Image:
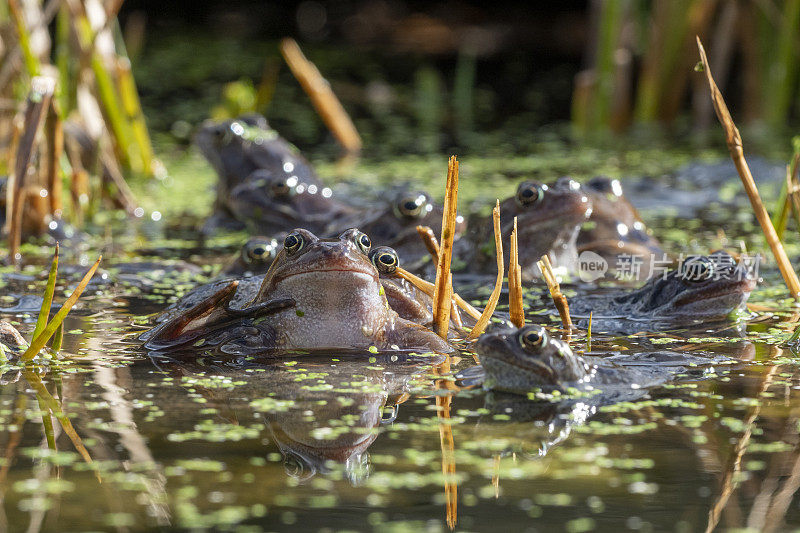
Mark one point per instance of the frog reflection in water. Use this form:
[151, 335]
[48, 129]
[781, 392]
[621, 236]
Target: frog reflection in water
[313, 431]
[615, 229]
[236, 149]
[548, 220]
[318, 294]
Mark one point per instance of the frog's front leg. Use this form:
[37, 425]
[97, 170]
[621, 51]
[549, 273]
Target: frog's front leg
[210, 316]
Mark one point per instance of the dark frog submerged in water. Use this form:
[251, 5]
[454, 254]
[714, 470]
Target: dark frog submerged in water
[319, 294]
[702, 289]
[520, 361]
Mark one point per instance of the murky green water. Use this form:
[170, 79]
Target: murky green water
[341, 443]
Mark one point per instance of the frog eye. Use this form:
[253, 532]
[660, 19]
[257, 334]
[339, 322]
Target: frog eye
[385, 259]
[293, 243]
[414, 206]
[529, 193]
[259, 251]
[281, 188]
[363, 242]
[532, 338]
[696, 268]
[222, 134]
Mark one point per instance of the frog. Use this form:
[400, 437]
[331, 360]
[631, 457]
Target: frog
[395, 222]
[529, 360]
[548, 216]
[701, 290]
[615, 231]
[271, 201]
[254, 257]
[238, 147]
[318, 294]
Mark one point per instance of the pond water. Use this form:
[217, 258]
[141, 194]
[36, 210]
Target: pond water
[334, 443]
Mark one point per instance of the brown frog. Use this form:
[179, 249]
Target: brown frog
[395, 225]
[615, 230]
[548, 219]
[319, 294]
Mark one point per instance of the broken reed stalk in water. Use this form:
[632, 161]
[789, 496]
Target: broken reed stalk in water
[443, 290]
[555, 291]
[432, 245]
[734, 141]
[516, 311]
[38, 342]
[322, 96]
[491, 305]
[429, 239]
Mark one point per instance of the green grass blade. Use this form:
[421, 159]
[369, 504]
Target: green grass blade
[47, 302]
[23, 34]
[38, 342]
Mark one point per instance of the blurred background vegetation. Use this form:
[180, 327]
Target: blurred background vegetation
[416, 77]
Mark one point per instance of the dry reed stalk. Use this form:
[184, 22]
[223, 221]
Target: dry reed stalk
[54, 133]
[124, 197]
[734, 141]
[428, 288]
[780, 218]
[38, 102]
[322, 96]
[555, 291]
[444, 282]
[488, 311]
[516, 310]
[429, 239]
[16, 133]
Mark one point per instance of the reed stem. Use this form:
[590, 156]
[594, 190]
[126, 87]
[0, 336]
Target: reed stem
[516, 310]
[443, 289]
[491, 305]
[322, 97]
[734, 141]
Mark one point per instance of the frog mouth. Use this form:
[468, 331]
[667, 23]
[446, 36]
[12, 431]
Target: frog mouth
[344, 272]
